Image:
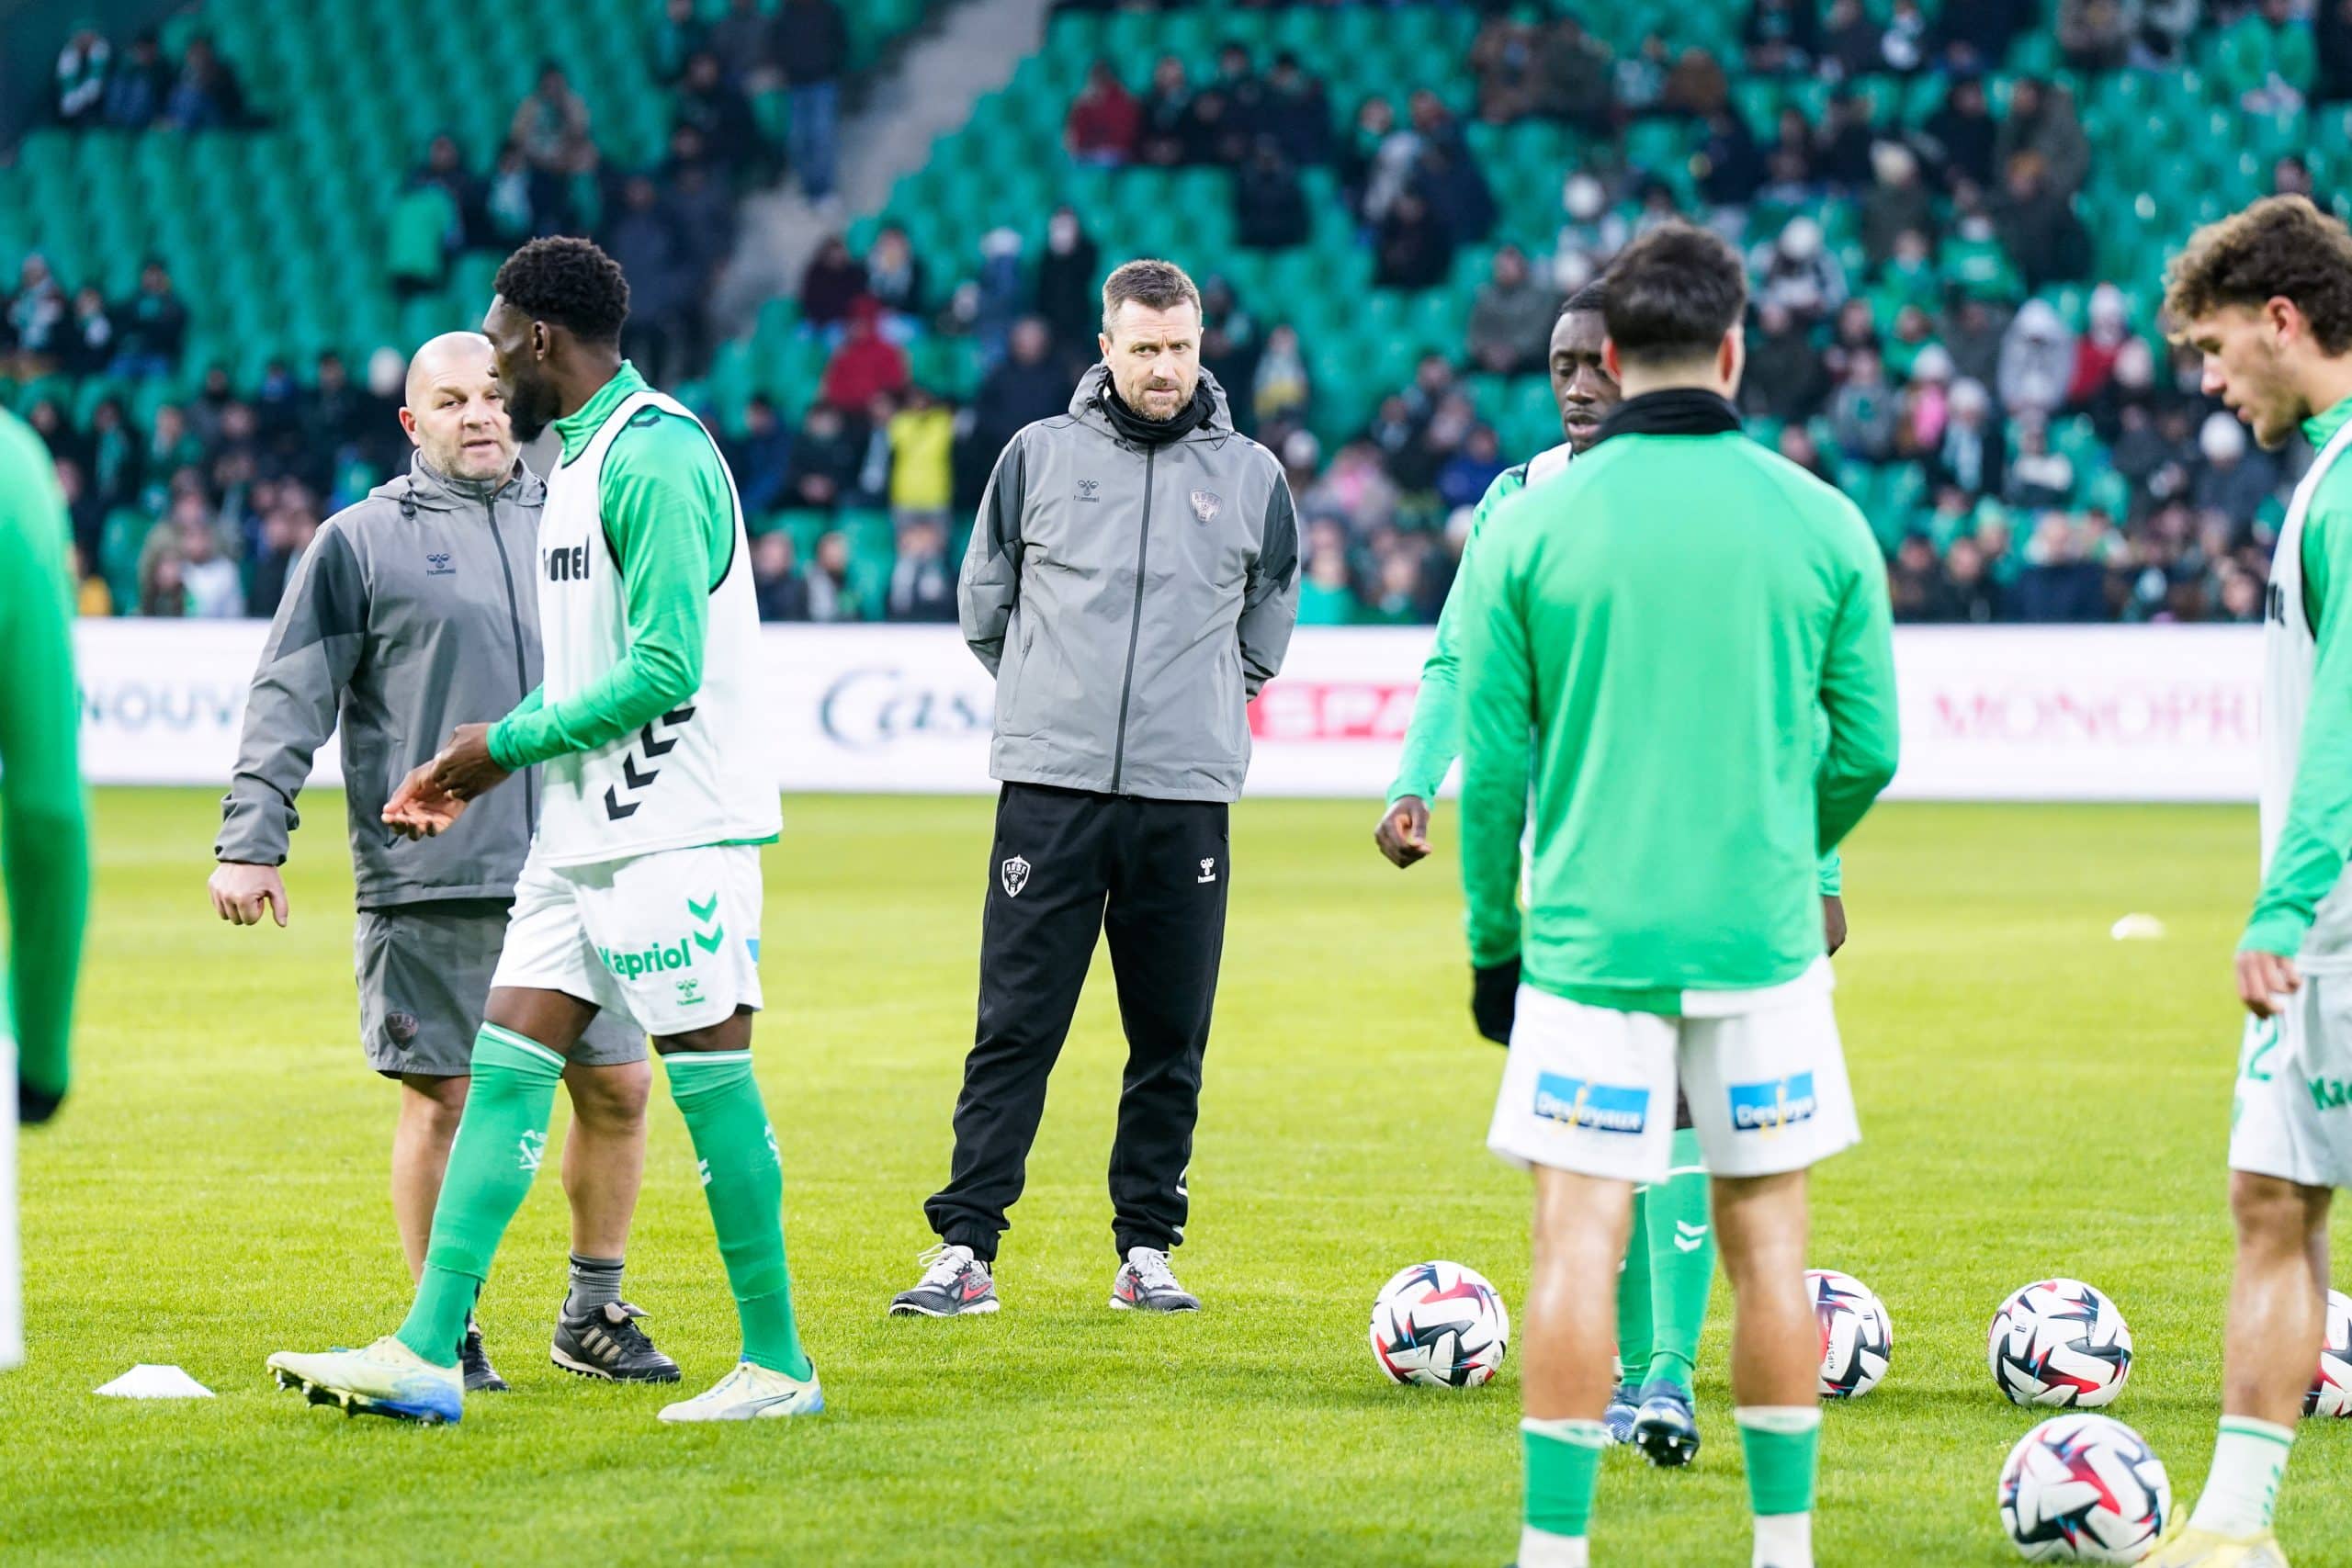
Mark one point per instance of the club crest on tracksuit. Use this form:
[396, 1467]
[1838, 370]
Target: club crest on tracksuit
[1016, 876]
[1207, 505]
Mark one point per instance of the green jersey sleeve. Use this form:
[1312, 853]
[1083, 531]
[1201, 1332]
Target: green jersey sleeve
[44, 825]
[1497, 684]
[2308, 858]
[669, 518]
[1857, 696]
[1433, 736]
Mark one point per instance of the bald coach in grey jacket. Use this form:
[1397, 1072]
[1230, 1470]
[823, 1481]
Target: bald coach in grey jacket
[1132, 581]
[412, 612]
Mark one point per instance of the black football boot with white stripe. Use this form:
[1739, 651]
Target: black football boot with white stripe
[605, 1342]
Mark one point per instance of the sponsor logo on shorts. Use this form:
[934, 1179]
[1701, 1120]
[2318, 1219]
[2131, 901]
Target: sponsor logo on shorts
[679, 954]
[2331, 1094]
[689, 992]
[1772, 1105]
[1594, 1107]
[401, 1027]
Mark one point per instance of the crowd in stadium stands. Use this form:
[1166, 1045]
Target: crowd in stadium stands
[140, 87]
[2020, 467]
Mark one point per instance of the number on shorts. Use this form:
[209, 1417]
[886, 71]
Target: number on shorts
[2262, 1038]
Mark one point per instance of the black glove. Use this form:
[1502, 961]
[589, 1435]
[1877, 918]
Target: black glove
[1494, 999]
[35, 1105]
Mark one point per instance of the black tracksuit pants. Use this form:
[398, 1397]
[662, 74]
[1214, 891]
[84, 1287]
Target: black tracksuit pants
[1068, 866]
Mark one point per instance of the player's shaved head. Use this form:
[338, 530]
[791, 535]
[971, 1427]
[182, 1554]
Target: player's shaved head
[450, 354]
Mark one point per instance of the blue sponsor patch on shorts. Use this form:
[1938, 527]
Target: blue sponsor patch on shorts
[754, 945]
[1595, 1107]
[1775, 1103]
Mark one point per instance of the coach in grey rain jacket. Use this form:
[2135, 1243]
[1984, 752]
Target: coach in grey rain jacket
[412, 612]
[1130, 600]
[1131, 582]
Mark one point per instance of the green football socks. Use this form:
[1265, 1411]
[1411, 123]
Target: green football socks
[1682, 1264]
[501, 1140]
[1783, 1448]
[1634, 1297]
[1563, 1464]
[743, 1181]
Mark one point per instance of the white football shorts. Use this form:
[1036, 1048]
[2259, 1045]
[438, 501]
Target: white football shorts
[1591, 1089]
[2292, 1118]
[671, 939]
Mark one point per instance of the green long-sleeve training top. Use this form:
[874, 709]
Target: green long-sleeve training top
[1648, 638]
[44, 824]
[1433, 736]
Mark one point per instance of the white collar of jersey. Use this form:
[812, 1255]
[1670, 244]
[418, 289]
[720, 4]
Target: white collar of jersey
[1549, 464]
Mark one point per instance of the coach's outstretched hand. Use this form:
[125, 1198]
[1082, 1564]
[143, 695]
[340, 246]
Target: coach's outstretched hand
[2263, 979]
[1403, 831]
[1494, 999]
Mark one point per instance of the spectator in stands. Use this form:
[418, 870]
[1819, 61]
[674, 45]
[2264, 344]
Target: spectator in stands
[922, 482]
[1296, 112]
[2038, 227]
[2061, 581]
[444, 166]
[114, 459]
[82, 69]
[711, 100]
[1399, 591]
[833, 282]
[1326, 593]
[1503, 58]
[288, 529]
[1915, 587]
[678, 36]
[1861, 412]
[1697, 86]
[1281, 391]
[894, 277]
[36, 318]
[161, 591]
[1448, 175]
[1896, 203]
[47, 417]
[1843, 159]
[1302, 458]
[510, 214]
[1269, 201]
[647, 244]
[760, 456]
[1215, 135]
[1026, 387]
[812, 47]
[170, 444]
[2094, 35]
[1573, 77]
[1851, 42]
[89, 337]
[1796, 271]
[2236, 479]
[1973, 458]
[1167, 111]
[1413, 250]
[1978, 33]
[1069, 281]
[867, 365]
[1511, 316]
[2095, 351]
[207, 95]
[1788, 163]
[1785, 380]
[1105, 120]
[1797, 444]
[1976, 597]
[137, 85]
[2037, 478]
[745, 42]
[830, 597]
[923, 585]
[1971, 332]
[1465, 476]
[1963, 135]
[2332, 36]
[551, 128]
[424, 231]
[1730, 166]
[776, 578]
[824, 458]
[2041, 120]
[1924, 406]
[2036, 360]
[1905, 43]
[1783, 35]
[207, 576]
[1640, 77]
[1355, 491]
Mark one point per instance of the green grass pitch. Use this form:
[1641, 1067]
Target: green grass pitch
[2036, 1098]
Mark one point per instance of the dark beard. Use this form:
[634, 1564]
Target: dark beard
[530, 410]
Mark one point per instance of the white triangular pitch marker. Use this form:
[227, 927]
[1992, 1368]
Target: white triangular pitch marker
[144, 1381]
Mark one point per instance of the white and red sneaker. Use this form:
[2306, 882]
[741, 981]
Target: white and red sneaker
[1145, 1283]
[955, 1282]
